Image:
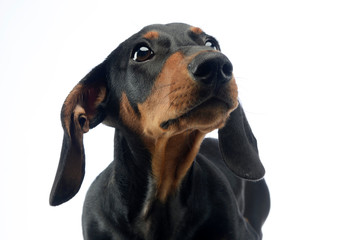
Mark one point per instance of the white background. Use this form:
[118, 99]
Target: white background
[293, 61]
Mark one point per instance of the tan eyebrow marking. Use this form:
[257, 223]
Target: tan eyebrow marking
[151, 35]
[196, 30]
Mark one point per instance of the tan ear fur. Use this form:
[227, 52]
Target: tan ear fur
[80, 112]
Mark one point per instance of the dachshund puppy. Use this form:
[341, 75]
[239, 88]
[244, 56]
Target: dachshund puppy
[163, 90]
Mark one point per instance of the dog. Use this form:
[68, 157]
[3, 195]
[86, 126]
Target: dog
[163, 90]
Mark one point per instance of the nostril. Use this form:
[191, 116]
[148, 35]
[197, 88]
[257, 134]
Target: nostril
[204, 72]
[211, 68]
[227, 70]
[203, 69]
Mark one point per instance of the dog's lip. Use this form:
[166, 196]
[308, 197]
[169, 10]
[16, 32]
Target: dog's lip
[205, 103]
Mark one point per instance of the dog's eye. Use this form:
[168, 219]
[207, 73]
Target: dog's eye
[142, 53]
[212, 43]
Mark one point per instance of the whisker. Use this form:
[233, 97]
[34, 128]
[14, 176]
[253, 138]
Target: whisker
[172, 102]
[171, 92]
[166, 85]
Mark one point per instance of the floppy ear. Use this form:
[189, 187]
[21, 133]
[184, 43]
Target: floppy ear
[239, 147]
[82, 110]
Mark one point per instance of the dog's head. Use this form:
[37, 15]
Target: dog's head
[163, 81]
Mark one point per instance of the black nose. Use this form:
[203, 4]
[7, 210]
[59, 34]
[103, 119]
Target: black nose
[211, 68]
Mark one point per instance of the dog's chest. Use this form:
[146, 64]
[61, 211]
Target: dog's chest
[160, 220]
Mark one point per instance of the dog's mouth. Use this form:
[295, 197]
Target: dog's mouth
[208, 110]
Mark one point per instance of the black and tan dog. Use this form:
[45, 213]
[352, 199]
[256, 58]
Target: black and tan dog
[163, 90]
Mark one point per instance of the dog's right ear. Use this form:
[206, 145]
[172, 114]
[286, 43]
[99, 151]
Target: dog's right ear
[83, 109]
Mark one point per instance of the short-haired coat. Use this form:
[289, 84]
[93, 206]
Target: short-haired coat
[163, 90]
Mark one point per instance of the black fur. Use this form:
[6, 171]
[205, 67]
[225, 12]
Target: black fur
[215, 200]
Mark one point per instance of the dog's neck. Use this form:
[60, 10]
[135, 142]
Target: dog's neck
[168, 157]
[171, 158]
[151, 174]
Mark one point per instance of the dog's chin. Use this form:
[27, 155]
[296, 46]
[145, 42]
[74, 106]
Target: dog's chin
[206, 117]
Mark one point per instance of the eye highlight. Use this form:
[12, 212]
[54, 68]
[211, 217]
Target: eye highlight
[212, 43]
[142, 53]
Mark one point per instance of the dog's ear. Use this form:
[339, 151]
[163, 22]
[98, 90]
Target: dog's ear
[239, 147]
[83, 109]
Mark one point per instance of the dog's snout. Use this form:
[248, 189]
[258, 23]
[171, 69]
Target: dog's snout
[211, 68]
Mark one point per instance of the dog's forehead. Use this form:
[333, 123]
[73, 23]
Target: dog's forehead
[171, 28]
[176, 31]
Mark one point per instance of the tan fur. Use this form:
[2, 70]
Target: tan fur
[151, 35]
[174, 149]
[128, 115]
[196, 30]
[70, 103]
[82, 102]
[171, 160]
[79, 112]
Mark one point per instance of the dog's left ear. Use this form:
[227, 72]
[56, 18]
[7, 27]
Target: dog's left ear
[83, 109]
[239, 147]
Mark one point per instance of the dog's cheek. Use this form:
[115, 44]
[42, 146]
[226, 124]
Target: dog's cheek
[233, 92]
[139, 81]
[128, 115]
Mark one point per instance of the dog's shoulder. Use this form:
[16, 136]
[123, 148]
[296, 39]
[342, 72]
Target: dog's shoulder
[210, 149]
[101, 184]
[210, 157]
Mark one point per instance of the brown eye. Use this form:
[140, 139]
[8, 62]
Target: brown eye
[142, 53]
